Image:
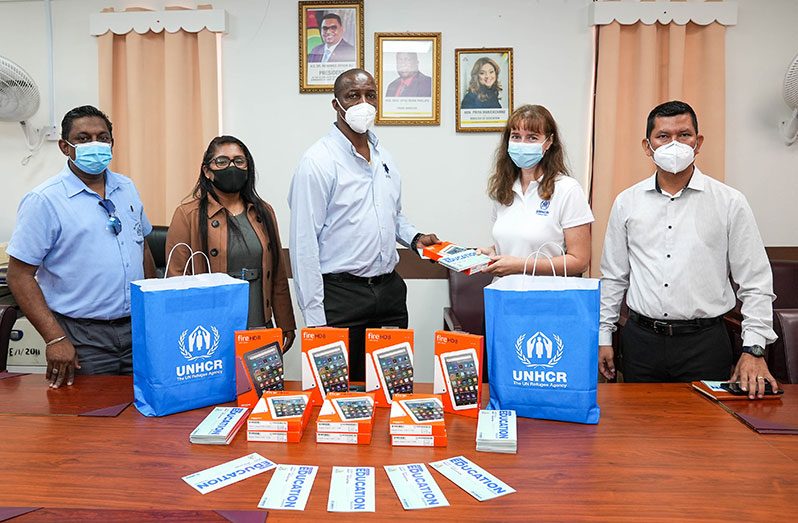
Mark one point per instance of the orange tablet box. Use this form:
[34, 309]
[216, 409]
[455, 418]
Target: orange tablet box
[325, 361]
[389, 363]
[347, 413]
[417, 415]
[435, 251]
[270, 436]
[401, 440]
[458, 371]
[248, 343]
[281, 411]
[361, 438]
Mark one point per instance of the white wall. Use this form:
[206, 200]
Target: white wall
[553, 53]
[758, 51]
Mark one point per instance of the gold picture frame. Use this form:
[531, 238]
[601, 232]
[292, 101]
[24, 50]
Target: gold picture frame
[322, 60]
[481, 107]
[407, 69]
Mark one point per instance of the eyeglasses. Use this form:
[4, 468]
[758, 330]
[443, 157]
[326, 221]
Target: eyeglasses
[223, 162]
[114, 223]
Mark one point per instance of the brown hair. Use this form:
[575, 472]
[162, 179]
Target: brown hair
[531, 118]
[475, 87]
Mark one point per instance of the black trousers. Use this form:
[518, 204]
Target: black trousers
[102, 347]
[651, 357]
[358, 306]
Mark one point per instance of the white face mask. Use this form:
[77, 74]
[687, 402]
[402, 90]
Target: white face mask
[360, 117]
[673, 157]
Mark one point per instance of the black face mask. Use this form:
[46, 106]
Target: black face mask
[230, 180]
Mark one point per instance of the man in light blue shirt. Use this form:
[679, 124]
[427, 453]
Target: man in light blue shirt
[346, 217]
[77, 245]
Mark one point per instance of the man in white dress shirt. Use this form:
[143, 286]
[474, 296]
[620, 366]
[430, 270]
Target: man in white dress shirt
[672, 242]
[346, 217]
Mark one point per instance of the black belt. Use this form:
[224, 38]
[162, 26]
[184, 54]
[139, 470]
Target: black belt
[673, 327]
[92, 321]
[246, 274]
[368, 280]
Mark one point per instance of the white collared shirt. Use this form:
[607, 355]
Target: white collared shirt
[675, 253]
[522, 227]
[346, 216]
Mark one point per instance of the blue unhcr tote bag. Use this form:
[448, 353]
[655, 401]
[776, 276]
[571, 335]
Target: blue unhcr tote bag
[183, 341]
[542, 344]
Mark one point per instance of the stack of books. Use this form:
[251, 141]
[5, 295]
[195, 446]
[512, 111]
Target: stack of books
[346, 417]
[220, 426]
[417, 421]
[279, 416]
[496, 431]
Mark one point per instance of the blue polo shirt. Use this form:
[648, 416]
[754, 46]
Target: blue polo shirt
[85, 269]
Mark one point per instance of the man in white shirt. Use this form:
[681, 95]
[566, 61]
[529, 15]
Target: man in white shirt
[672, 242]
[346, 217]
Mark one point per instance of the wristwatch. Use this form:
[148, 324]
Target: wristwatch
[757, 351]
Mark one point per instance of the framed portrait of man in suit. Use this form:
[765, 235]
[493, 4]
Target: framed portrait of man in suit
[483, 89]
[407, 70]
[330, 42]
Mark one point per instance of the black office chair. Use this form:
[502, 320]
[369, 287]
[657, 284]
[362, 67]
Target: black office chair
[157, 243]
[8, 315]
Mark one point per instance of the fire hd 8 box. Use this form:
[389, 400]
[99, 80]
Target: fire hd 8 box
[279, 416]
[458, 371]
[417, 420]
[346, 417]
[325, 361]
[389, 363]
[259, 364]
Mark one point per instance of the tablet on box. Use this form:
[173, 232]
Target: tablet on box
[389, 363]
[259, 364]
[458, 371]
[325, 362]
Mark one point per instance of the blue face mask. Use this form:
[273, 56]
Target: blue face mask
[92, 157]
[525, 155]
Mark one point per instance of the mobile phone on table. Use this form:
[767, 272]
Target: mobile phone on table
[734, 388]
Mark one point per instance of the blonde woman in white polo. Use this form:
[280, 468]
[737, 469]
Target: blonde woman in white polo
[535, 200]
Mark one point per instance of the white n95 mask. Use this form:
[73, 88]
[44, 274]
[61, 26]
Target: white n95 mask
[360, 117]
[673, 157]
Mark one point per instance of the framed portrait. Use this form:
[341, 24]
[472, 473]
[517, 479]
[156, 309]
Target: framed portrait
[330, 42]
[407, 68]
[484, 88]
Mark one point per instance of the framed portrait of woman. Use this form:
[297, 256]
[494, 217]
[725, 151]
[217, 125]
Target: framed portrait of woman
[484, 89]
[407, 70]
[330, 42]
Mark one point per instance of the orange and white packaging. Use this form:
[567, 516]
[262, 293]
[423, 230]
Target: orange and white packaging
[389, 363]
[259, 364]
[280, 411]
[268, 436]
[325, 361]
[417, 415]
[346, 412]
[458, 371]
[419, 441]
[360, 438]
[455, 257]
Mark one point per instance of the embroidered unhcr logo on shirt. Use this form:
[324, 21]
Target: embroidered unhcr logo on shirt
[544, 208]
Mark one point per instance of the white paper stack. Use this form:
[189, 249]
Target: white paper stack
[496, 431]
[220, 426]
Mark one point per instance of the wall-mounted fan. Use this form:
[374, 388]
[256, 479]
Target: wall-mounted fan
[789, 128]
[19, 99]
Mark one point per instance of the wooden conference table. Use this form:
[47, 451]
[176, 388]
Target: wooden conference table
[660, 452]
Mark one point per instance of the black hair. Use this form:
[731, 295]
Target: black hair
[333, 16]
[249, 195]
[672, 108]
[340, 82]
[82, 112]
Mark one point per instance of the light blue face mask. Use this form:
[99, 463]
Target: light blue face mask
[93, 157]
[525, 155]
